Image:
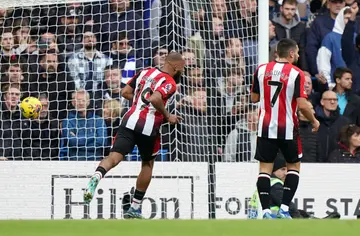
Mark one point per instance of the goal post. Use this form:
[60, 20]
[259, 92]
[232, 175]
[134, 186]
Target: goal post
[97, 46]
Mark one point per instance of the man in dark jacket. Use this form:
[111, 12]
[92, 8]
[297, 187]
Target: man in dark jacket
[288, 25]
[13, 127]
[44, 133]
[348, 102]
[330, 124]
[55, 83]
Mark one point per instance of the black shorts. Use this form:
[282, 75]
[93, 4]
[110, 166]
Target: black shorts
[267, 149]
[126, 139]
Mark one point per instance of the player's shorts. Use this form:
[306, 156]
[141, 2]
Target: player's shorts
[267, 149]
[126, 139]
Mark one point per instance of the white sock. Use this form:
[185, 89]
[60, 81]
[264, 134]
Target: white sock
[266, 211]
[98, 175]
[136, 204]
[284, 207]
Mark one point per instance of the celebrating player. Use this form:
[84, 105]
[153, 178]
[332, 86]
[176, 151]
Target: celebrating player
[279, 86]
[150, 90]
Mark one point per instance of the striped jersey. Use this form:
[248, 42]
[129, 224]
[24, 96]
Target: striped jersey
[279, 84]
[142, 116]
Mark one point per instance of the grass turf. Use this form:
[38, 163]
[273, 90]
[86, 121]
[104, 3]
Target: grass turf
[179, 227]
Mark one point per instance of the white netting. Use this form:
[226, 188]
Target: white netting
[53, 49]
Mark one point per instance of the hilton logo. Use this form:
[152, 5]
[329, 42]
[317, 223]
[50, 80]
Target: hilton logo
[168, 197]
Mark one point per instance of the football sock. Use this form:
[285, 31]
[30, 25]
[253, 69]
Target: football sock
[100, 172]
[290, 187]
[138, 197]
[263, 186]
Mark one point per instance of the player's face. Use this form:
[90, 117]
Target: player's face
[295, 55]
[179, 70]
[346, 81]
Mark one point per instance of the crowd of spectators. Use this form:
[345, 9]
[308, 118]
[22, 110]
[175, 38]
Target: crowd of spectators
[77, 57]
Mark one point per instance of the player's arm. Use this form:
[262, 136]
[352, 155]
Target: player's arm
[128, 91]
[164, 91]
[156, 99]
[255, 89]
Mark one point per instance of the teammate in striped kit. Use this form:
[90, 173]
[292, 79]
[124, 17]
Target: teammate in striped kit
[150, 90]
[279, 87]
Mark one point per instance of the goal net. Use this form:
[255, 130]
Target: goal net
[76, 56]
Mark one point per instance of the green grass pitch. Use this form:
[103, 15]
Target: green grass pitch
[180, 228]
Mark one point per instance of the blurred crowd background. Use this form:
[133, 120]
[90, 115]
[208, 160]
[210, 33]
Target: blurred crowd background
[77, 57]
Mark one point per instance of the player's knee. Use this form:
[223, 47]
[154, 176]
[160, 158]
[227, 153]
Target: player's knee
[115, 158]
[293, 166]
[148, 164]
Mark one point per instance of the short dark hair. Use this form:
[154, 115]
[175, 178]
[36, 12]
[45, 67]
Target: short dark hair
[346, 132]
[284, 46]
[340, 71]
[290, 2]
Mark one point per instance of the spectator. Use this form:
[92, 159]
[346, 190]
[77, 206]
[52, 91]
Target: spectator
[159, 53]
[189, 57]
[112, 87]
[349, 144]
[233, 57]
[288, 25]
[14, 73]
[44, 134]
[84, 134]
[347, 100]
[329, 55]
[69, 30]
[240, 144]
[330, 123]
[21, 32]
[351, 53]
[309, 140]
[320, 27]
[123, 55]
[87, 66]
[197, 134]
[193, 78]
[231, 86]
[13, 127]
[314, 97]
[111, 114]
[121, 18]
[272, 42]
[49, 79]
[7, 46]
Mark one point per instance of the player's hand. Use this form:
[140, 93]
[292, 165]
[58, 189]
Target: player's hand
[315, 125]
[174, 119]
